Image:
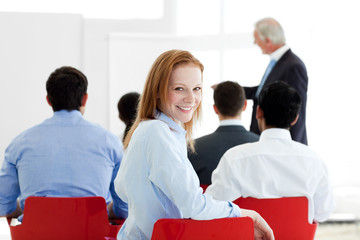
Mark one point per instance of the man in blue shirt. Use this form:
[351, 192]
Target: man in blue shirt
[64, 156]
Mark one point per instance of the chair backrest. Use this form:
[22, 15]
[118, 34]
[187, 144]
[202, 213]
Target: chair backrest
[64, 218]
[240, 228]
[287, 216]
[204, 187]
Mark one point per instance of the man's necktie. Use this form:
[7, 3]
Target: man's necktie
[268, 70]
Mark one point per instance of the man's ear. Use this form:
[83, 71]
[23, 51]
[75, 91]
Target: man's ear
[48, 101]
[296, 119]
[259, 113]
[216, 109]
[268, 40]
[245, 105]
[84, 100]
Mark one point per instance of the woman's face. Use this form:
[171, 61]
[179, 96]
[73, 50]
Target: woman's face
[184, 93]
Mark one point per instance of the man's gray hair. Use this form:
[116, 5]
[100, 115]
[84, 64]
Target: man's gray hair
[270, 28]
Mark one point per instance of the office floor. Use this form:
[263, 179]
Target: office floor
[4, 229]
[338, 231]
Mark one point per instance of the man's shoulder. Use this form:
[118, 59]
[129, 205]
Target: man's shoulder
[28, 132]
[291, 59]
[239, 131]
[243, 150]
[209, 139]
[205, 137]
[252, 137]
[305, 150]
[230, 133]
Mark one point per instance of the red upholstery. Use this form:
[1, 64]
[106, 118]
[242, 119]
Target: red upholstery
[204, 187]
[64, 218]
[241, 228]
[288, 216]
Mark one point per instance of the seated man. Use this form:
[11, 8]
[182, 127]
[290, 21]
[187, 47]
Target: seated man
[229, 103]
[276, 166]
[64, 156]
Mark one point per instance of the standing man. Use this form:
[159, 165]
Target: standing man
[284, 66]
[65, 155]
[229, 103]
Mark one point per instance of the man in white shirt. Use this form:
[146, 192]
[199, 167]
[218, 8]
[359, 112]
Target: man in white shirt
[276, 166]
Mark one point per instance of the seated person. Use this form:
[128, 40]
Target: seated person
[156, 178]
[276, 166]
[65, 155]
[127, 107]
[229, 103]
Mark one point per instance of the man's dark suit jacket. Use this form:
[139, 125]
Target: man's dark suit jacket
[210, 148]
[291, 70]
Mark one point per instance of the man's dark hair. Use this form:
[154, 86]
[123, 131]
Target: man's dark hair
[65, 88]
[280, 103]
[229, 98]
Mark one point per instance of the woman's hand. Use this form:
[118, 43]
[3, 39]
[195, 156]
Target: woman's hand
[262, 230]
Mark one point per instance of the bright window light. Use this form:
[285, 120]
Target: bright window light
[104, 9]
[198, 17]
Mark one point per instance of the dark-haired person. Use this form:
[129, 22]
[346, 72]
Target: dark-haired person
[65, 155]
[229, 103]
[276, 166]
[127, 108]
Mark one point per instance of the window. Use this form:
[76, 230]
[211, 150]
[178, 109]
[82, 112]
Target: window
[105, 9]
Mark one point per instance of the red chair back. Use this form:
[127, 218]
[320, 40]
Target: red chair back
[287, 216]
[204, 187]
[240, 228]
[59, 218]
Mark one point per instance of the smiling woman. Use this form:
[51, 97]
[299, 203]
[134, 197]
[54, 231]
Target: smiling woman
[184, 93]
[156, 178]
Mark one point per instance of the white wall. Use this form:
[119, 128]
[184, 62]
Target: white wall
[96, 56]
[31, 47]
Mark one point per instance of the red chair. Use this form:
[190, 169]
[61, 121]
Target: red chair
[204, 187]
[287, 216]
[240, 228]
[60, 218]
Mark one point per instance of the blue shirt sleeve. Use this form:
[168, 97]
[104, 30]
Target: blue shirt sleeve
[120, 208]
[10, 189]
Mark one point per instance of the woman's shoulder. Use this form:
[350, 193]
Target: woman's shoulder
[149, 127]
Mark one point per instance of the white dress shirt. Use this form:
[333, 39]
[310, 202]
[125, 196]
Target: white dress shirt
[231, 122]
[276, 166]
[276, 55]
[157, 180]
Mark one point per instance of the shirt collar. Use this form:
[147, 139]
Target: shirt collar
[278, 133]
[228, 122]
[62, 113]
[172, 125]
[276, 55]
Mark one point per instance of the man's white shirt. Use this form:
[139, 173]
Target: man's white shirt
[276, 166]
